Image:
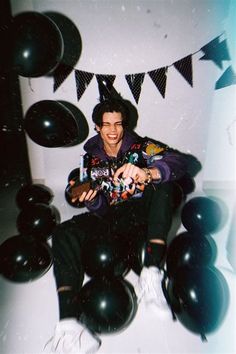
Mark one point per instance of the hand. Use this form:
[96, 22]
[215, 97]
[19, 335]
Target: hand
[129, 170]
[86, 196]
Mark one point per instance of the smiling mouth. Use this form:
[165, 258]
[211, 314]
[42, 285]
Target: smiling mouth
[113, 137]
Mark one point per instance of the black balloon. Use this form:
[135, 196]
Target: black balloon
[33, 193]
[22, 260]
[38, 220]
[68, 190]
[80, 120]
[74, 204]
[72, 44]
[188, 250]
[199, 297]
[36, 44]
[75, 173]
[108, 305]
[201, 215]
[50, 124]
[105, 255]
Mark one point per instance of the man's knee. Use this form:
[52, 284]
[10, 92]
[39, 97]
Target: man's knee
[165, 187]
[162, 191]
[63, 232]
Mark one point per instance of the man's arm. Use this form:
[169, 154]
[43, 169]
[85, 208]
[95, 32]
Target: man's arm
[139, 175]
[171, 166]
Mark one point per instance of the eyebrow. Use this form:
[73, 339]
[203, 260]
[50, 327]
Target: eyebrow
[108, 123]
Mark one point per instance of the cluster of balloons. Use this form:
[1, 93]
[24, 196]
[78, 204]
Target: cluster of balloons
[27, 256]
[37, 217]
[35, 48]
[107, 300]
[196, 290]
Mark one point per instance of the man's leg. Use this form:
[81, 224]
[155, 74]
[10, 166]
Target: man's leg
[67, 242]
[68, 270]
[159, 210]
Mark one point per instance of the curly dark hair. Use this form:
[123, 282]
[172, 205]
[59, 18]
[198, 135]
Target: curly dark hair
[111, 105]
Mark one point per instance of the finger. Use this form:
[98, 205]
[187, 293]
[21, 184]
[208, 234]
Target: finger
[93, 195]
[118, 172]
[136, 178]
[137, 174]
[127, 170]
[134, 172]
[89, 194]
[82, 197]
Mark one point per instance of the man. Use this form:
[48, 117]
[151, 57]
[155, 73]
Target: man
[132, 186]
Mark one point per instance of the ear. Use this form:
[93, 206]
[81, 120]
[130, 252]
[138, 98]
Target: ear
[97, 128]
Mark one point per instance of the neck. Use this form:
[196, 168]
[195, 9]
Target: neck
[112, 150]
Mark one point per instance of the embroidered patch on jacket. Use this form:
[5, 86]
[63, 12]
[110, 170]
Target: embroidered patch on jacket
[153, 149]
[98, 172]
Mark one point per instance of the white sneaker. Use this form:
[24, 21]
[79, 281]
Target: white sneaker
[149, 290]
[72, 337]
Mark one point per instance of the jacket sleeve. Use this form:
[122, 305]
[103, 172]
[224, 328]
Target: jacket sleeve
[171, 163]
[99, 205]
[172, 166]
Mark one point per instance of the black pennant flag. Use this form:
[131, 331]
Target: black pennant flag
[216, 51]
[105, 86]
[60, 74]
[135, 82]
[228, 78]
[159, 78]
[184, 66]
[82, 79]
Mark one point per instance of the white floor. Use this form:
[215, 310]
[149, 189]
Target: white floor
[28, 313]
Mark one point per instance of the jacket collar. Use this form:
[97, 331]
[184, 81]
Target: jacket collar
[94, 146]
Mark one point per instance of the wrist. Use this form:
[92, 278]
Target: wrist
[148, 178]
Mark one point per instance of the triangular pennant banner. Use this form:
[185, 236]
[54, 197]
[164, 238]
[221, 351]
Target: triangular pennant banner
[159, 77]
[135, 82]
[60, 74]
[184, 66]
[228, 78]
[105, 86]
[82, 79]
[216, 51]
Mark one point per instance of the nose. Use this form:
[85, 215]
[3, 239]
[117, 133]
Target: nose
[113, 127]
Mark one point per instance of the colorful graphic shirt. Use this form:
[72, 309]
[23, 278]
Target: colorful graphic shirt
[142, 152]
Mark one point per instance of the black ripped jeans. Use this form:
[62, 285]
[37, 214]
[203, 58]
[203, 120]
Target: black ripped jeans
[152, 214]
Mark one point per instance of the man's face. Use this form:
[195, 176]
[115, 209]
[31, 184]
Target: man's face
[112, 130]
